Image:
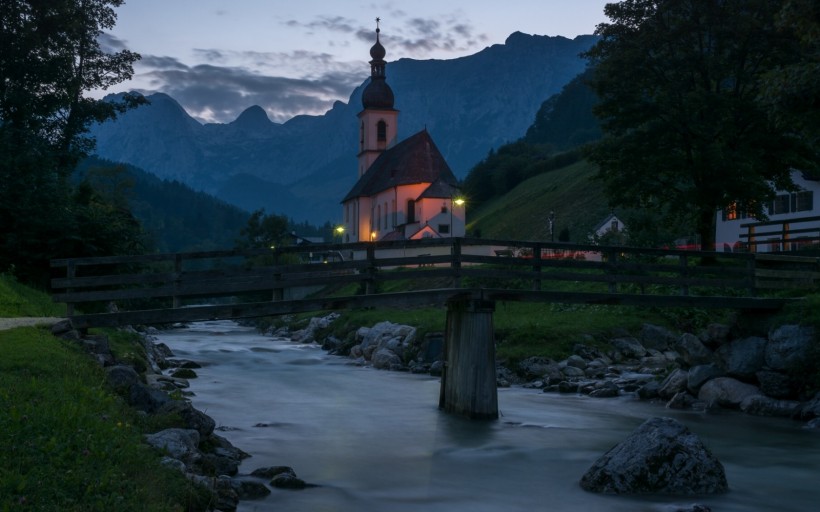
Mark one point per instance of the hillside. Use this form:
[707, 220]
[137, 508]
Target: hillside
[521, 214]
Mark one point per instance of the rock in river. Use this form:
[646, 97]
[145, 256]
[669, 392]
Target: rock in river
[661, 457]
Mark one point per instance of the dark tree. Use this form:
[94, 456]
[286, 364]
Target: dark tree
[679, 84]
[50, 58]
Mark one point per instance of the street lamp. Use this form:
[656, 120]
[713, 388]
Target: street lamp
[551, 220]
[454, 201]
[340, 230]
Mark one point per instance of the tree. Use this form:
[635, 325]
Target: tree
[685, 133]
[264, 231]
[792, 90]
[51, 57]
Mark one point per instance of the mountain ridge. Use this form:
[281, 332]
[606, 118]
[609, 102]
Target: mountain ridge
[470, 105]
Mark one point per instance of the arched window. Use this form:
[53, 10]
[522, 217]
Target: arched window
[381, 131]
[411, 211]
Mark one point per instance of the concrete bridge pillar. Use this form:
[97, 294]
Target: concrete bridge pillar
[468, 382]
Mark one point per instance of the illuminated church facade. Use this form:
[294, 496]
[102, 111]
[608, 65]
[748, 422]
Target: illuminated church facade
[405, 190]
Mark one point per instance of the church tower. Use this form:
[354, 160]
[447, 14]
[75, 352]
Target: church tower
[378, 121]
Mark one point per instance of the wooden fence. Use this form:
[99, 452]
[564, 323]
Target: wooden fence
[162, 288]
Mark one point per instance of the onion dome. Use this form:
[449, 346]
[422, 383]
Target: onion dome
[377, 94]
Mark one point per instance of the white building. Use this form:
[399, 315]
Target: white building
[794, 221]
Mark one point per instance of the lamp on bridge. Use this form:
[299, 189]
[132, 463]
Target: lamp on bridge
[373, 236]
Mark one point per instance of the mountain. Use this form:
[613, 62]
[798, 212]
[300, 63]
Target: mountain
[303, 167]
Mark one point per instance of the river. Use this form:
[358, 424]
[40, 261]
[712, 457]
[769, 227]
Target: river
[375, 440]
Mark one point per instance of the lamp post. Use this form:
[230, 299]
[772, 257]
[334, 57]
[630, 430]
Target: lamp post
[340, 230]
[551, 220]
[454, 201]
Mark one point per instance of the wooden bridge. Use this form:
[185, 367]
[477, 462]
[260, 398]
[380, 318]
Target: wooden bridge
[467, 275]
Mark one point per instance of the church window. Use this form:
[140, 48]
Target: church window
[411, 211]
[361, 137]
[381, 131]
[386, 213]
[379, 217]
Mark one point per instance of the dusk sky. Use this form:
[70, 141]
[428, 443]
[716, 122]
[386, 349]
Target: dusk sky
[218, 58]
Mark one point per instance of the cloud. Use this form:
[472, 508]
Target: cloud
[405, 36]
[110, 43]
[213, 93]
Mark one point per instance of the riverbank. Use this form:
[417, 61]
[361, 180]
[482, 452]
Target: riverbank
[771, 375]
[375, 440]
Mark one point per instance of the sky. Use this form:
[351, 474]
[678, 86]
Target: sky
[292, 57]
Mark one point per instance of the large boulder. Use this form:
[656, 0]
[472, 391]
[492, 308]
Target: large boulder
[631, 348]
[656, 337]
[776, 384]
[191, 417]
[179, 443]
[700, 374]
[760, 405]
[692, 350]
[787, 346]
[384, 359]
[660, 457]
[743, 358]
[674, 383]
[726, 392]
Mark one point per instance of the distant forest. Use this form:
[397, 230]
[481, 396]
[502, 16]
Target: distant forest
[175, 217]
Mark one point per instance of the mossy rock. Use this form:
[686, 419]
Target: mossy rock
[184, 373]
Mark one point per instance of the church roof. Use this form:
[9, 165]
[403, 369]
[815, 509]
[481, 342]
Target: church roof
[413, 160]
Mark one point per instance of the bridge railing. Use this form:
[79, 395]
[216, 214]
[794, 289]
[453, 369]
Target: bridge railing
[509, 270]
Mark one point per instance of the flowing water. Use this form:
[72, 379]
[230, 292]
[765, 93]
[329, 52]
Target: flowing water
[375, 440]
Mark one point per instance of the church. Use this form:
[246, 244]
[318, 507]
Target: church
[405, 190]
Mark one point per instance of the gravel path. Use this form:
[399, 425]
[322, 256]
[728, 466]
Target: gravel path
[11, 323]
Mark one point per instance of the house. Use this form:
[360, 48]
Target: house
[405, 190]
[794, 221]
[611, 228]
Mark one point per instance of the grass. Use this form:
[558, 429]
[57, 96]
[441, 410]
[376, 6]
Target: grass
[69, 443]
[20, 300]
[521, 214]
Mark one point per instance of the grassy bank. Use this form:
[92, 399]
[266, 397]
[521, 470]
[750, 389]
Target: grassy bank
[69, 443]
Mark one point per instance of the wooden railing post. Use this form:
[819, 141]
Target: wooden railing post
[536, 267]
[683, 261]
[278, 291]
[612, 261]
[455, 263]
[370, 283]
[751, 265]
[175, 300]
[71, 273]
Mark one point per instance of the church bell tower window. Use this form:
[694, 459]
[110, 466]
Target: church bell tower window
[381, 131]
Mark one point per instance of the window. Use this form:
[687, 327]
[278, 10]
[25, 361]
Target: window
[444, 229]
[795, 202]
[803, 201]
[411, 211]
[379, 217]
[386, 213]
[614, 226]
[381, 131]
[443, 209]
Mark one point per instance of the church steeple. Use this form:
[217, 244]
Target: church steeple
[377, 94]
[379, 120]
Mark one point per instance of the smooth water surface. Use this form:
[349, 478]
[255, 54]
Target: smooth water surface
[375, 440]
